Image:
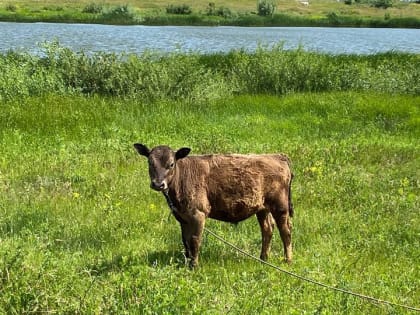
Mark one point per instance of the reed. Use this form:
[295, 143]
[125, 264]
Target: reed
[196, 77]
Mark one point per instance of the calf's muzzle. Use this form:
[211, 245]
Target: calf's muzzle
[159, 185]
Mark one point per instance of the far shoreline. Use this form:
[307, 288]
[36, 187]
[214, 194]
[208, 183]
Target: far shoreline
[244, 20]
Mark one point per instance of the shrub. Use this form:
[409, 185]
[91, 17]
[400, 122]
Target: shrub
[121, 10]
[333, 18]
[119, 14]
[178, 9]
[53, 8]
[11, 7]
[384, 4]
[266, 7]
[94, 8]
[212, 10]
[348, 2]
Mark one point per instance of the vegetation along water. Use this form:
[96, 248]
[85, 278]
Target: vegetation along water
[357, 13]
[81, 231]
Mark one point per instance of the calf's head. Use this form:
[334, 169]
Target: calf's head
[162, 163]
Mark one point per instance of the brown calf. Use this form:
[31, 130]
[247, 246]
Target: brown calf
[229, 188]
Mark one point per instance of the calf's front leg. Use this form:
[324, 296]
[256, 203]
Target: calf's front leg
[185, 233]
[196, 227]
[185, 236]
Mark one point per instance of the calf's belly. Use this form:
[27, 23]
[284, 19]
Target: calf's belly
[233, 211]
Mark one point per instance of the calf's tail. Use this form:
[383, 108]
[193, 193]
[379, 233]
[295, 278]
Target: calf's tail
[291, 212]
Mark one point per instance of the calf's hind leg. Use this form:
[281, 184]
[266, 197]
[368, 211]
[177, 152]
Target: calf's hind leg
[266, 222]
[281, 216]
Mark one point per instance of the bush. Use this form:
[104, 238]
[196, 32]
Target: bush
[266, 7]
[333, 18]
[56, 8]
[120, 14]
[93, 8]
[11, 7]
[121, 11]
[348, 2]
[178, 9]
[384, 4]
[212, 10]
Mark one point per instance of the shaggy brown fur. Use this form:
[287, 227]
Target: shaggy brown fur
[229, 188]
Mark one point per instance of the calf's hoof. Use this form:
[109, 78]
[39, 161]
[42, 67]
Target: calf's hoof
[193, 264]
[264, 257]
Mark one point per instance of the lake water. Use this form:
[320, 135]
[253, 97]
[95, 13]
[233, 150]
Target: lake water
[136, 39]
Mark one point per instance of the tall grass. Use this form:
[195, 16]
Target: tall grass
[81, 232]
[196, 77]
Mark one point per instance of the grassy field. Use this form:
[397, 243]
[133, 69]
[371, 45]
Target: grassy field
[81, 231]
[288, 13]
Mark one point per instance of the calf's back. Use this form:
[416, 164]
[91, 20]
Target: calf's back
[235, 186]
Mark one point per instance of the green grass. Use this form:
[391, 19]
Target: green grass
[241, 12]
[81, 231]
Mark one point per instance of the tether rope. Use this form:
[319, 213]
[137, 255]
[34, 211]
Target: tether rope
[366, 297]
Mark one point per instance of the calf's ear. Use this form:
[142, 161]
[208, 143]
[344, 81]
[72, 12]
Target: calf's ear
[142, 149]
[181, 153]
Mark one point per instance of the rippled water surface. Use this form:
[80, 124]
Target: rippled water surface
[136, 39]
